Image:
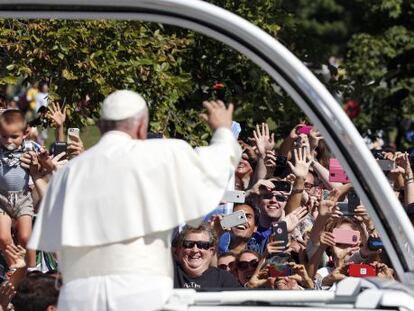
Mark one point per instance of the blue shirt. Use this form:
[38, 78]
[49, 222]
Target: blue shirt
[256, 243]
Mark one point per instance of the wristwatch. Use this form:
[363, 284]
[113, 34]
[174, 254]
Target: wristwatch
[297, 190]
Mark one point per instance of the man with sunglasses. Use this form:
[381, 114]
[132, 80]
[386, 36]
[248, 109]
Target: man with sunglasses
[195, 252]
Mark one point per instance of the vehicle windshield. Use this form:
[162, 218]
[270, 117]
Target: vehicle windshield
[289, 218]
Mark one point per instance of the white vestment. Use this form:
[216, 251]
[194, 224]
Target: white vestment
[109, 213]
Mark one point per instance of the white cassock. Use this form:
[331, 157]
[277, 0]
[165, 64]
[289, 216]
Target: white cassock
[109, 214]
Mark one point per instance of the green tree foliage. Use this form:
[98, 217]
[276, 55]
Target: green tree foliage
[380, 64]
[93, 58]
[175, 69]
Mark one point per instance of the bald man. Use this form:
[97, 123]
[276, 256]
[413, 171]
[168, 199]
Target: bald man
[109, 212]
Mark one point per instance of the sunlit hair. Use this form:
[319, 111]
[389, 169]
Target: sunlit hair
[203, 228]
[13, 116]
[248, 251]
[227, 254]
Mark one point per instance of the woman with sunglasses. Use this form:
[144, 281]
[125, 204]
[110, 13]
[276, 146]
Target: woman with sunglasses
[195, 252]
[246, 264]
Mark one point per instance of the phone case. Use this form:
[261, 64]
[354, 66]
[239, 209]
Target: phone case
[345, 236]
[279, 270]
[386, 165]
[353, 200]
[345, 208]
[234, 219]
[280, 232]
[284, 186]
[374, 244]
[234, 196]
[59, 148]
[361, 270]
[306, 129]
[72, 131]
[336, 172]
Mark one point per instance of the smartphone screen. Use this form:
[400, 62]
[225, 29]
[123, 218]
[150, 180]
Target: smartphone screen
[281, 185]
[353, 201]
[58, 148]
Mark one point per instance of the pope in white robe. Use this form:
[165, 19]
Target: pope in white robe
[109, 212]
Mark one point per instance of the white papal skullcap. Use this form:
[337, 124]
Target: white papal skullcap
[122, 105]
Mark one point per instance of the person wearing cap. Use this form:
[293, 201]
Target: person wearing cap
[109, 212]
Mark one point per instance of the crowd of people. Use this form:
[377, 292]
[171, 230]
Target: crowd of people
[329, 233]
[301, 228]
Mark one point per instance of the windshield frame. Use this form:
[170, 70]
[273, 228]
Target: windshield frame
[289, 72]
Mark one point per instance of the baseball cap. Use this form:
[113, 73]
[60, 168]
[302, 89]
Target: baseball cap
[122, 104]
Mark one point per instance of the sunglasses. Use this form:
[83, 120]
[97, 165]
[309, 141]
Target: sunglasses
[270, 195]
[200, 244]
[230, 266]
[244, 265]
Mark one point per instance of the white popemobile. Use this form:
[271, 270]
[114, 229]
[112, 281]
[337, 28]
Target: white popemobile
[312, 97]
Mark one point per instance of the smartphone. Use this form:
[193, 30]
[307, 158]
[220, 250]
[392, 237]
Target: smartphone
[72, 131]
[281, 185]
[305, 129]
[279, 270]
[325, 194]
[345, 209]
[345, 236]
[280, 233]
[386, 165]
[233, 220]
[336, 172]
[374, 244]
[234, 196]
[282, 169]
[59, 147]
[377, 154]
[361, 270]
[353, 201]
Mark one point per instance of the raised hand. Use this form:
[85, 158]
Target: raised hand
[403, 161]
[383, 271]
[335, 276]
[57, 160]
[314, 138]
[57, 114]
[217, 114]
[275, 247]
[17, 253]
[300, 274]
[329, 208]
[302, 163]
[75, 147]
[7, 292]
[216, 225]
[361, 214]
[270, 162]
[295, 218]
[29, 161]
[327, 239]
[267, 183]
[263, 140]
[260, 277]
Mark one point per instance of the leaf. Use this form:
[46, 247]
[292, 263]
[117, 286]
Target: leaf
[9, 80]
[68, 75]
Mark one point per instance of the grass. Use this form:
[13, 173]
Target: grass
[89, 135]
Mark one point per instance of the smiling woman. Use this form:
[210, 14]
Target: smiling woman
[197, 248]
